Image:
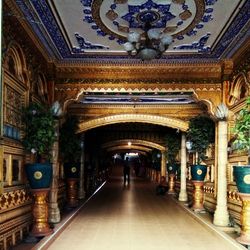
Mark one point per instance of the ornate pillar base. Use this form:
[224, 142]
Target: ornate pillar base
[171, 184]
[198, 196]
[81, 194]
[221, 217]
[245, 220]
[183, 195]
[72, 192]
[54, 213]
[40, 226]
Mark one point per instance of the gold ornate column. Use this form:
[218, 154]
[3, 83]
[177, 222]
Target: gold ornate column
[81, 193]
[221, 215]
[183, 191]
[54, 212]
[245, 219]
[171, 183]
[40, 225]
[72, 192]
[198, 196]
[163, 163]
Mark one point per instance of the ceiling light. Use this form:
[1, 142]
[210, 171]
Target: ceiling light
[149, 45]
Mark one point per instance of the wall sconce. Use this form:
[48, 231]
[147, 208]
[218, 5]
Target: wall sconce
[189, 145]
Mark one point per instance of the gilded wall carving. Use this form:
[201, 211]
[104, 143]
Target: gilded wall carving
[210, 72]
[10, 200]
[210, 94]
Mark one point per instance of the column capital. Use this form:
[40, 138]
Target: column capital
[221, 113]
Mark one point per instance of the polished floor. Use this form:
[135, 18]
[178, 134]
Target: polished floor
[133, 217]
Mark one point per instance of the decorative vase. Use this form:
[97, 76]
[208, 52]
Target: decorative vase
[71, 169]
[72, 192]
[198, 173]
[39, 175]
[244, 237]
[40, 213]
[242, 178]
[172, 169]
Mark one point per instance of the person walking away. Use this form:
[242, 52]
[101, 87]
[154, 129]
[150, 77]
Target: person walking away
[126, 171]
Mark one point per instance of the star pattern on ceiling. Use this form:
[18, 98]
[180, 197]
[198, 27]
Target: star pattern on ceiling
[96, 29]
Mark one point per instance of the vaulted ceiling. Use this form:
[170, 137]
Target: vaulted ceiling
[95, 30]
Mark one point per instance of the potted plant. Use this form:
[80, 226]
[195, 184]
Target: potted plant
[201, 134]
[172, 142]
[70, 147]
[156, 164]
[242, 143]
[70, 153]
[156, 159]
[39, 136]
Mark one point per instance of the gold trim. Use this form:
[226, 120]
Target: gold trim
[122, 118]
[132, 147]
[134, 142]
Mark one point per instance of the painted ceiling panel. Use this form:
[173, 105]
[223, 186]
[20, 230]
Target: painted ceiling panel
[97, 29]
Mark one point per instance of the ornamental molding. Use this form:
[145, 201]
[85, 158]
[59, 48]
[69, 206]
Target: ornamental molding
[133, 87]
[124, 118]
[100, 72]
[190, 107]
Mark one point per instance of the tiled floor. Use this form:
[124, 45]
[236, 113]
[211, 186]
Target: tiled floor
[134, 218]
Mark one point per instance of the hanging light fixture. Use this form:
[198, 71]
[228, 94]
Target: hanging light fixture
[150, 45]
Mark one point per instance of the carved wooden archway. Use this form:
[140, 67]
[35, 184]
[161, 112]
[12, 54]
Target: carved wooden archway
[123, 118]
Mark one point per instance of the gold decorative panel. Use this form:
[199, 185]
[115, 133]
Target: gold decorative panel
[9, 200]
[13, 106]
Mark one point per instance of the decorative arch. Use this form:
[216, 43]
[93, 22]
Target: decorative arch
[123, 118]
[126, 147]
[144, 143]
[15, 62]
[40, 87]
[239, 89]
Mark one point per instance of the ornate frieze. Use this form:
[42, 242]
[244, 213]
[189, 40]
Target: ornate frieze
[157, 73]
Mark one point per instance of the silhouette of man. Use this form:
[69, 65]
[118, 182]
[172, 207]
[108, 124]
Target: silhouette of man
[126, 171]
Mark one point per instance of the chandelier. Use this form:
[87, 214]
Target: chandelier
[149, 45]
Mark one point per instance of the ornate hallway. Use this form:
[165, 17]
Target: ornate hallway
[133, 217]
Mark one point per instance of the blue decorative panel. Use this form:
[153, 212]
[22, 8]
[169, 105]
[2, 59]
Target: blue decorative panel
[149, 12]
[200, 46]
[86, 45]
[11, 132]
[40, 17]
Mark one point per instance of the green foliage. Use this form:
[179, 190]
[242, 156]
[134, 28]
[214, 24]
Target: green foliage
[156, 159]
[39, 128]
[173, 145]
[242, 128]
[201, 133]
[69, 141]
